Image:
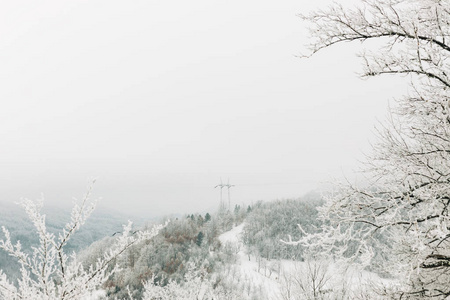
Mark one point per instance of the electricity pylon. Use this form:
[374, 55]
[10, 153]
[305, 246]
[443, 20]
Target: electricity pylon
[228, 185]
[221, 185]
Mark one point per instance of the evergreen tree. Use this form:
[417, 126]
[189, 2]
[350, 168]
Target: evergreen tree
[207, 217]
[199, 239]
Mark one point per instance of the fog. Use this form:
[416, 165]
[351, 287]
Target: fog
[160, 100]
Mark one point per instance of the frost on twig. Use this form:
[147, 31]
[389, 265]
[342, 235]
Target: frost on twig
[400, 220]
[49, 273]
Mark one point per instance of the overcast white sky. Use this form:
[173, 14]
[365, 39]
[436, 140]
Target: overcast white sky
[160, 99]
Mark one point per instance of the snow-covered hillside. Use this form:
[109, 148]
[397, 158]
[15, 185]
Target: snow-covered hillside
[199, 258]
[247, 265]
[287, 279]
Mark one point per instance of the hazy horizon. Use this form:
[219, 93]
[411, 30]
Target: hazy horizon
[160, 100]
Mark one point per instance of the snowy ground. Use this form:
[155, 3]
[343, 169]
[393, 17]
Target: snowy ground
[273, 280]
[101, 294]
[274, 283]
[249, 268]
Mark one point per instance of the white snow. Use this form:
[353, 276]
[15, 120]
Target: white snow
[96, 295]
[272, 284]
[232, 236]
[249, 268]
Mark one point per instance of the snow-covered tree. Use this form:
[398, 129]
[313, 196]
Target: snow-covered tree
[193, 287]
[313, 280]
[50, 273]
[271, 221]
[197, 285]
[408, 195]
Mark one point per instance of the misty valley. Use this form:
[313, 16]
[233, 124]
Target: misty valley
[159, 99]
[240, 252]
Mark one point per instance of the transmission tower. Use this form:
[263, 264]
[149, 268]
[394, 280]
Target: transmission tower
[221, 186]
[228, 185]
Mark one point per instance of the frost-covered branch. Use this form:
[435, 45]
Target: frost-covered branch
[49, 273]
[400, 219]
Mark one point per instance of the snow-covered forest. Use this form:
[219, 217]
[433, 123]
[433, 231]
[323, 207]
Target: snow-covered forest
[226, 254]
[384, 237]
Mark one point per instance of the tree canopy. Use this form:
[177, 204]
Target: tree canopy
[408, 191]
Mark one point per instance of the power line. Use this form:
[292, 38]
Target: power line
[270, 184]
